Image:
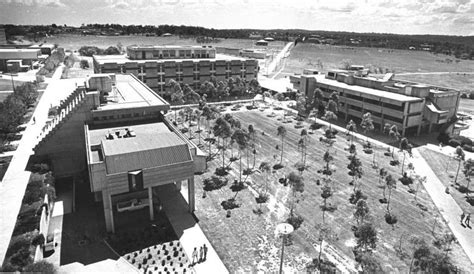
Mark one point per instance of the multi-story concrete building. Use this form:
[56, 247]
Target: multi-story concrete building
[414, 108]
[113, 127]
[192, 65]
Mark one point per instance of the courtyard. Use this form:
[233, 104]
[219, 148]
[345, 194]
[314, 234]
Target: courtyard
[245, 237]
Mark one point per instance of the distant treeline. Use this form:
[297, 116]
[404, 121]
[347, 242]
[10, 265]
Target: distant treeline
[459, 46]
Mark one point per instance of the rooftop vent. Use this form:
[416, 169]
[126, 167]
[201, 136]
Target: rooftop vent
[129, 133]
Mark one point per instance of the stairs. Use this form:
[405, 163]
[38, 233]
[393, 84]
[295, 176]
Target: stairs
[65, 109]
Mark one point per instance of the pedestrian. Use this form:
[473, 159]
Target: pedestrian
[462, 217]
[468, 220]
[201, 254]
[34, 120]
[195, 256]
[205, 252]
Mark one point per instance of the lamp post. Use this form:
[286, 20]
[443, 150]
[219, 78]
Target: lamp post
[283, 229]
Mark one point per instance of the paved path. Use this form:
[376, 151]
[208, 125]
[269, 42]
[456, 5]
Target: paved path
[189, 232]
[446, 204]
[13, 186]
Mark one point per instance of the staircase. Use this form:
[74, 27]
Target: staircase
[65, 109]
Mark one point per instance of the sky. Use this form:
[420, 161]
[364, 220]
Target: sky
[451, 17]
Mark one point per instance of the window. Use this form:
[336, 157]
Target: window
[135, 180]
[181, 53]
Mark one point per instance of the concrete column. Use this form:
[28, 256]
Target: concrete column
[191, 194]
[178, 185]
[150, 203]
[108, 211]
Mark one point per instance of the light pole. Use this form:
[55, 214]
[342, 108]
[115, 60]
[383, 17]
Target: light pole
[283, 229]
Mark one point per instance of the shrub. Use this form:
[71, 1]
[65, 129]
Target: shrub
[214, 183]
[277, 166]
[84, 64]
[230, 204]
[237, 186]
[41, 266]
[40, 168]
[38, 240]
[391, 219]
[295, 221]
[471, 95]
[221, 171]
[22, 257]
[262, 198]
[405, 180]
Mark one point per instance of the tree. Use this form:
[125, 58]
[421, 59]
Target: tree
[329, 116]
[281, 131]
[391, 183]
[355, 166]
[351, 128]
[41, 267]
[241, 137]
[326, 193]
[198, 115]
[405, 146]
[327, 159]
[459, 155]
[318, 101]
[190, 95]
[367, 237]
[301, 104]
[468, 172]
[222, 130]
[346, 64]
[265, 168]
[392, 131]
[368, 263]
[367, 124]
[303, 146]
[362, 211]
[296, 183]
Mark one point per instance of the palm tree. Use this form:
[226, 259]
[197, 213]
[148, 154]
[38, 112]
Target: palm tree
[222, 130]
[265, 168]
[296, 182]
[302, 144]
[241, 137]
[392, 131]
[382, 174]
[391, 184]
[253, 139]
[281, 131]
[459, 155]
[329, 116]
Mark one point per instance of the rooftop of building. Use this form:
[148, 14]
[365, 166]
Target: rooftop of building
[158, 47]
[370, 91]
[137, 146]
[10, 50]
[129, 92]
[122, 59]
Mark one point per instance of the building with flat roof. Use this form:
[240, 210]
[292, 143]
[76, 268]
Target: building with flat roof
[192, 65]
[27, 56]
[114, 128]
[414, 108]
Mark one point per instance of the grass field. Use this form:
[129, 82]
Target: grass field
[246, 241]
[445, 169]
[458, 81]
[306, 55]
[74, 42]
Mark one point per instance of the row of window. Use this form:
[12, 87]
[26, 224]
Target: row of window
[123, 116]
[196, 77]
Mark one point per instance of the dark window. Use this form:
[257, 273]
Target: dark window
[143, 55]
[135, 180]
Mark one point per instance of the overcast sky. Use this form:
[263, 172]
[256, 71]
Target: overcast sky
[454, 17]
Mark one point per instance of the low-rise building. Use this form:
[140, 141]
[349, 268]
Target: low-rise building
[414, 108]
[114, 128]
[27, 56]
[192, 65]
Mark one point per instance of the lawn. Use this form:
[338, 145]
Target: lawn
[458, 81]
[246, 241]
[306, 55]
[445, 169]
[74, 42]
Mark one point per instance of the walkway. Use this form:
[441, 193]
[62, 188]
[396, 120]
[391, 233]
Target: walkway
[446, 204]
[13, 186]
[189, 232]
